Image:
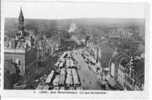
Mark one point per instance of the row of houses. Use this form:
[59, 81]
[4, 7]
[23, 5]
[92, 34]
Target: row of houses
[127, 71]
[118, 67]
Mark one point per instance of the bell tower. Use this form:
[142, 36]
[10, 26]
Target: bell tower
[20, 35]
[21, 21]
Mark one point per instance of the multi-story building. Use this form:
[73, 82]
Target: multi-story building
[19, 49]
[117, 68]
[135, 75]
[128, 72]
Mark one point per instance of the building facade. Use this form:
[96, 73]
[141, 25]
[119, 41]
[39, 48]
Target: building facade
[19, 49]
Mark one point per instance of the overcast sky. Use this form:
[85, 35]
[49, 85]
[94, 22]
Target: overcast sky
[58, 10]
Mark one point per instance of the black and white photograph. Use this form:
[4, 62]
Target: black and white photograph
[67, 46]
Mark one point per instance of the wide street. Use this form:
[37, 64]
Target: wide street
[88, 78]
[74, 73]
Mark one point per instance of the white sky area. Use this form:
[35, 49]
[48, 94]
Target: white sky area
[62, 10]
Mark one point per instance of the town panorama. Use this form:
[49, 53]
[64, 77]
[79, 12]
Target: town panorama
[74, 54]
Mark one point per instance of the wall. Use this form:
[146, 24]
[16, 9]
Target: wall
[14, 56]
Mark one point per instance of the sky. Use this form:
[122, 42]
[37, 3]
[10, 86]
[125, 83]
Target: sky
[62, 10]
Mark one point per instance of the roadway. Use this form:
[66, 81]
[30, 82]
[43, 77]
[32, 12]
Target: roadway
[88, 78]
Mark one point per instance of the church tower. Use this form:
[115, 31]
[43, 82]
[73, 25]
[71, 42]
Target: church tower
[20, 35]
[21, 21]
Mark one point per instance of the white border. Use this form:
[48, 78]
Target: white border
[109, 94]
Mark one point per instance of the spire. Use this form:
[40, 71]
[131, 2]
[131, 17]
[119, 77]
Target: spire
[21, 21]
[21, 17]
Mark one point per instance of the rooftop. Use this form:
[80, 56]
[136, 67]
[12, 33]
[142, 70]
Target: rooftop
[12, 50]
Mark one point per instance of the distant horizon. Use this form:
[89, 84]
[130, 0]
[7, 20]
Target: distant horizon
[105, 20]
[11, 23]
[81, 18]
